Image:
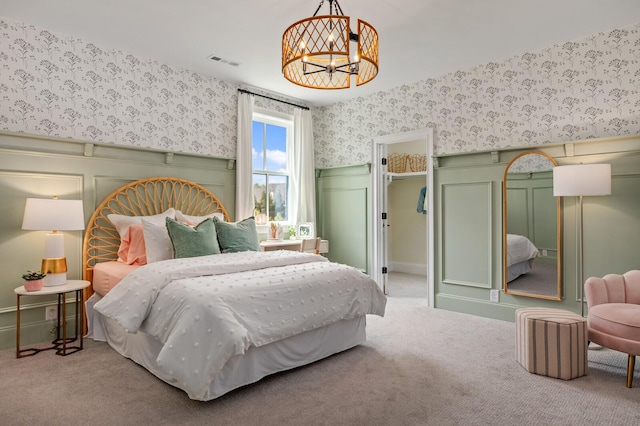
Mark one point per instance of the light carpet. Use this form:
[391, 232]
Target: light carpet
[419, 366]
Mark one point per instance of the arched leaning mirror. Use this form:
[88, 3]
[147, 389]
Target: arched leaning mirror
[531, 228]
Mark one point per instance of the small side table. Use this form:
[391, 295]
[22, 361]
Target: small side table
[60, 344]
[293, 245]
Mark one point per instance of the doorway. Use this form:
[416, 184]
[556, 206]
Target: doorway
[405, 249]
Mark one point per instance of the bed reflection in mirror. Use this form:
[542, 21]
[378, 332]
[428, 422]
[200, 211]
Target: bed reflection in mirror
[531, 228]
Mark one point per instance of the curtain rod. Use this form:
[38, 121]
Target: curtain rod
[273, 99]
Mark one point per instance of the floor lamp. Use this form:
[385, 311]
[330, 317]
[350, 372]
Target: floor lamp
[582, 180]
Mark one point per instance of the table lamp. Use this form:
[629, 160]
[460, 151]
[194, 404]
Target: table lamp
[582, 180]
[53, 215]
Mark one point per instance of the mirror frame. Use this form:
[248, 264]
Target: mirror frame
[504, 232]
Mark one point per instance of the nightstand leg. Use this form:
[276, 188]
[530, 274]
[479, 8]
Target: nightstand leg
[58, 319]
[79, 308]
[18, 326]
[64, 323]
[21, 353]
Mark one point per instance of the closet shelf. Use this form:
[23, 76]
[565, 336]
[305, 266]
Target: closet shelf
[407, 175]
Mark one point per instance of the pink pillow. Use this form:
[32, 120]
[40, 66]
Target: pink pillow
[132, 248]
[194, 220]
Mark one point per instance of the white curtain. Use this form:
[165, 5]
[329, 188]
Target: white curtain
[244, 160]
[301, 157]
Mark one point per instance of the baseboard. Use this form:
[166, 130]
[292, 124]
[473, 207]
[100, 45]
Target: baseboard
[408, 268]
[33, 334]
[482, 308]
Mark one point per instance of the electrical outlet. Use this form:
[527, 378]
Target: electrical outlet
[494, 296]
[544, 252]
[51, 312]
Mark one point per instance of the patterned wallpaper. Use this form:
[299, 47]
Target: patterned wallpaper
[70, 88]
[531, 163]
[588, 88]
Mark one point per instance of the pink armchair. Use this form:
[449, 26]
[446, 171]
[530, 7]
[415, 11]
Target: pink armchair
[613, 320]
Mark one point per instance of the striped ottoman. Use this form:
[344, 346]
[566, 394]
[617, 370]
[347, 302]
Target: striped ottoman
[551, 342]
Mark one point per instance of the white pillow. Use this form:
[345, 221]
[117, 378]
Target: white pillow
[194, 220]
[122, 222]
[157, 241]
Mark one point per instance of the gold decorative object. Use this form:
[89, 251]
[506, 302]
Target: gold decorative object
[316, 51]
[56, 265]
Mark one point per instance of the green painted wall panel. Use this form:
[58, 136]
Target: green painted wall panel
[344, 227]
[611, 228]
[466, 226]
[343, 206]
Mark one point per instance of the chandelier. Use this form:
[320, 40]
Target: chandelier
[316, 51]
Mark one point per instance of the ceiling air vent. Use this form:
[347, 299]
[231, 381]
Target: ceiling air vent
[217, 58]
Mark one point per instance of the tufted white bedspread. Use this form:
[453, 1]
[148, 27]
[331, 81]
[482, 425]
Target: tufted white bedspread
[204, 310]
[519, 249]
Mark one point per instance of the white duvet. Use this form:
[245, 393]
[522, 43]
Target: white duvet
[207, 309]
[519, 249]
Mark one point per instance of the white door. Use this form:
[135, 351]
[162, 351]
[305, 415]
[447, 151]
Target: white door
[381, 222]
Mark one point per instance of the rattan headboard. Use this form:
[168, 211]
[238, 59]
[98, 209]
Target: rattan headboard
[141, 198]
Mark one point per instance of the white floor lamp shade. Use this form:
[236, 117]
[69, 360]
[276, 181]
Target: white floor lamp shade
[579, 181]
[582, 180]
[53, 215]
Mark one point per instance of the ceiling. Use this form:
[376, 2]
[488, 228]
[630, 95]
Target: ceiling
[418, 38]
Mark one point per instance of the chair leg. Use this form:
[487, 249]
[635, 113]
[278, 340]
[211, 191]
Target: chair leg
[630, 366]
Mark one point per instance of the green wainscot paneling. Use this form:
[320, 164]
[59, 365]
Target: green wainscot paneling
[611, 224]
[612, 228]
[343, 208]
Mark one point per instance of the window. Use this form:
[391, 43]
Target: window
[270, 172]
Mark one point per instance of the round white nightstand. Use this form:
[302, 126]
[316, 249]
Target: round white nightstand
[61, 341]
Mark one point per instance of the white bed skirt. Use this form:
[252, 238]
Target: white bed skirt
[517, 269]
[241, 370]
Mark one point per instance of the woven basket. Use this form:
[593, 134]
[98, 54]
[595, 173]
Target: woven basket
[397, 162]
[418, 162]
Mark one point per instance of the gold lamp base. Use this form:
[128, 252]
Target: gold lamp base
[56, 270]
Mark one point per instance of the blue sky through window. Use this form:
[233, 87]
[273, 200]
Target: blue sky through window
[275, 149]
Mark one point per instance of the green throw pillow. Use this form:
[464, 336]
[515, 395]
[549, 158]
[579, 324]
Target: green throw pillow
[239, 236]
[195, 241]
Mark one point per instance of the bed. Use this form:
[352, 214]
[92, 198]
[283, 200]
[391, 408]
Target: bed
[211, 323]
[521, 253]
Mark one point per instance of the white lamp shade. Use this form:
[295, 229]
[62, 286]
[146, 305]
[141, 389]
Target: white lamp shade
[41, 214]
[582, 179]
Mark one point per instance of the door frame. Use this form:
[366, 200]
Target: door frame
[378, 172]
